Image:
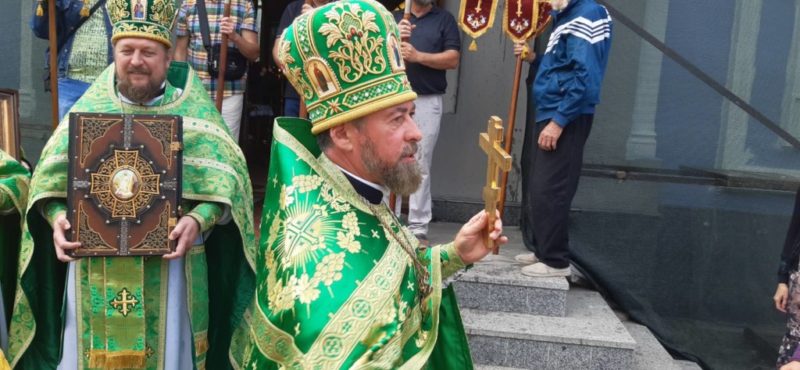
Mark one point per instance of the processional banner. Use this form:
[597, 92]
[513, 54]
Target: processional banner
[124, 183]
[523, 19]
[476, 17]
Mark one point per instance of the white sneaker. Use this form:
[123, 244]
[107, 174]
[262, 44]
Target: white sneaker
[526, 258]
[539, 269]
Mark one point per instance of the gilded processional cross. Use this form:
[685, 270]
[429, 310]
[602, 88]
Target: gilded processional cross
[491, 142]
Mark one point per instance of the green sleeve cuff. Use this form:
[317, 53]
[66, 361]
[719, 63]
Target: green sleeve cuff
[206, 214]
[6, 203]
[52, 209]
[451, 261]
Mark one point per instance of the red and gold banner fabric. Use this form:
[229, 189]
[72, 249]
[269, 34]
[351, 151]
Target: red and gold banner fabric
[523, 19]
[476, 17]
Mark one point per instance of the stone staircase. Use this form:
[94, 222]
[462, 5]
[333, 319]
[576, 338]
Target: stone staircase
[517, 322]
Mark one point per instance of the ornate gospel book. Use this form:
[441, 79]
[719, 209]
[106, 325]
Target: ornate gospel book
[124, 185]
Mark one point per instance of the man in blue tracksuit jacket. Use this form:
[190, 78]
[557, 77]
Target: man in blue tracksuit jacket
[565, 91]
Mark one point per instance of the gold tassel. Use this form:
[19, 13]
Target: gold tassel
[39, 10]
[473, 46]
[125, 361]
[116, 360]
[85, 9]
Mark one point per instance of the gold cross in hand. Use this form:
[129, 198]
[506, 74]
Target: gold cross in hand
[491, 144]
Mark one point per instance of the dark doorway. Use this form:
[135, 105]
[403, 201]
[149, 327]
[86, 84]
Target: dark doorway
[264, 96]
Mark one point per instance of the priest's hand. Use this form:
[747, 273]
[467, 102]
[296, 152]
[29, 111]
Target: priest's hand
[60, 226]
[781, 296]
[471, 239]
[548, 138]
[185, 232]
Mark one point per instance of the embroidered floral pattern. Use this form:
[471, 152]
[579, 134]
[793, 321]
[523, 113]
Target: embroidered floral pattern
[358, 52]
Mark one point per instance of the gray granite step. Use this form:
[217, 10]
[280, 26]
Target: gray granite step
[687, 365]
[649, 354]
[589, 337]
[496, 284]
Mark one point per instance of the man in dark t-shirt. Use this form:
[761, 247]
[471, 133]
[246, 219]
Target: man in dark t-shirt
[291, 100]
[434, 47]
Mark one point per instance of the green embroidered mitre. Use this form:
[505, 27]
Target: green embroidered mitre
[344, 59]
[149, 19]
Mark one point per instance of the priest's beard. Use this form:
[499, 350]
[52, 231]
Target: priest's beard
[139, 94]
[559, 5]
[401, 178]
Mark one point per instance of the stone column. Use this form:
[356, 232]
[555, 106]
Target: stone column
[641, 145]
[731, 150]
[790, 115]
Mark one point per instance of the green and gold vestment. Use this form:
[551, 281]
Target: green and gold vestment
[336, 284]
[14, 182]
[214, 173]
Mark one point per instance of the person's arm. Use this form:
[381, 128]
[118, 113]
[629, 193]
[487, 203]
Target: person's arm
[206, 214]
[451, 45]
[523, 49]
[288, 16]
[55, 212]
[182, 35]
[247, 43]
[246, 40]
[447, 59]
[275, 53]
[181, 48]
[450, 260]
[469, 245]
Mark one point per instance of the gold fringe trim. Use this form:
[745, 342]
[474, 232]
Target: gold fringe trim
[97, 358]
[473, 46]
[143, 35]
[39, 10]
[117, 359]
[362, 110]
[85, 9]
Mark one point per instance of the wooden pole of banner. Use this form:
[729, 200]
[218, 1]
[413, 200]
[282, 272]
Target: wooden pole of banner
[223, 62]
[512, 115]
[53, 40]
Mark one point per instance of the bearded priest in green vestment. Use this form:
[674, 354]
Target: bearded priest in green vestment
[340, 282]
[176, 312]
[14, 182]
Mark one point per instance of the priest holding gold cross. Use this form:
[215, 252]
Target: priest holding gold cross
[341, 283]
